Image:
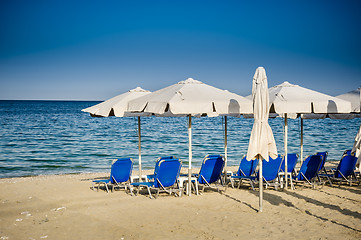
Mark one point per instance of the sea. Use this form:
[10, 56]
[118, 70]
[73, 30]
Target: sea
[56, 137]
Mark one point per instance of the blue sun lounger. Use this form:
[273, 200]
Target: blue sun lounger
[151, 176]
[246, 169]
[211, 170]
[344, 171]
[309, 169]
[166, 173]
[120, 172]
[270, 172]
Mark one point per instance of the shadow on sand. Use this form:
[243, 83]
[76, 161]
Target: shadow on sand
[238, 200]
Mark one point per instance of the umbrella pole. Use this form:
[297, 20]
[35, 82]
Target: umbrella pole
[260, 184]
[190, 154]
[139, 149]
[301, 140]
[286, 153]
[225, 149]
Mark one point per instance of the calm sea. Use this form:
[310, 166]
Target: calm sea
[55, 137]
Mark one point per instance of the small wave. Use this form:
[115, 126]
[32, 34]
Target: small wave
[99, 155]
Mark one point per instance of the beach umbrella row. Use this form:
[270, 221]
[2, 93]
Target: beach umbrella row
[193, 98]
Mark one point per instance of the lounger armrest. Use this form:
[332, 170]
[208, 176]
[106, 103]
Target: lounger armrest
[151, 176]
[230, 173]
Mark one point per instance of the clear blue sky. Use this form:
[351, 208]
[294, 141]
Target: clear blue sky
[94, 50]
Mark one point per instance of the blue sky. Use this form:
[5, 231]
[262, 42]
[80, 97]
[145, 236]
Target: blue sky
[94, 50]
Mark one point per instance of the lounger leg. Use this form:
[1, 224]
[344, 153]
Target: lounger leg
[150, 194]
[292, 186]
[130, 189]
[106, 186]
[232, 182]
[222, 182]
[252, 185]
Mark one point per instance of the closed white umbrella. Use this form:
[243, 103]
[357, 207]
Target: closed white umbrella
[357, 148]
[261, 143]
[118, 106]
[191, 98]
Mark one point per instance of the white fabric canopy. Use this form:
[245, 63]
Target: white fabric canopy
[191, 97]
[354, 98]
[294, 100]
[261, 143]
[290, 98]
[116, 106]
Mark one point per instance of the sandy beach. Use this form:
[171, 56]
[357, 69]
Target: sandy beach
[65, 207]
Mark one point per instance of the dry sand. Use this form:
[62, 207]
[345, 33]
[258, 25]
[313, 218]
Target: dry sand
[64, 207]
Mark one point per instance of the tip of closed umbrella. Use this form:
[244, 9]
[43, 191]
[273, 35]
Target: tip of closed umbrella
[190, 81]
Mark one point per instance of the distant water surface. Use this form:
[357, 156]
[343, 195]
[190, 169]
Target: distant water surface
[55, 137]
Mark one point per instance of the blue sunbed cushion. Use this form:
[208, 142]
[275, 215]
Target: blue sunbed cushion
[245, 177]
[149, 184]
[102, 181]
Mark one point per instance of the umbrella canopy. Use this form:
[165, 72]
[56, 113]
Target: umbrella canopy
[353, 97]
[191, 98]
[357, 148]
[293, 99]
[118, 106]
[261, 143]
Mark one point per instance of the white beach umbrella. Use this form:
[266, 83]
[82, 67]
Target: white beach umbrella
[357, 148]
[261, 143]
[118, 106]
[289, 100]
[191, 98]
